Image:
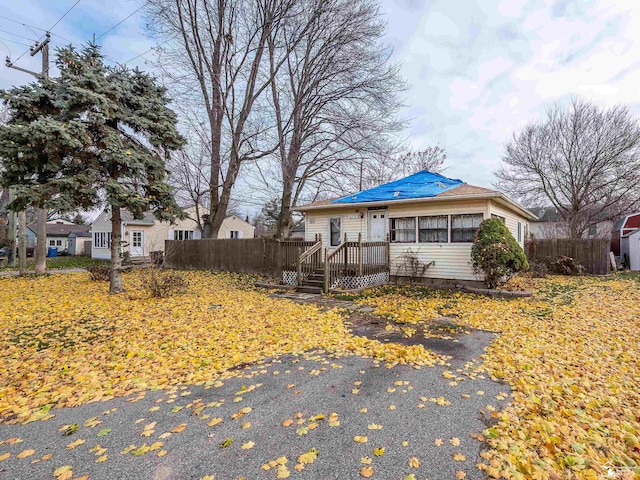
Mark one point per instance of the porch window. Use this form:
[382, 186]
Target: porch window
[433, 229]
[403, 230]
[335, 231]
[464, 227]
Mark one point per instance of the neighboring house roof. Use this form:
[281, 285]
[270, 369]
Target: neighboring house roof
[61, 229]
[546, 214]
[423, 184]
[147, 218]
[617, 226]
[410, 189]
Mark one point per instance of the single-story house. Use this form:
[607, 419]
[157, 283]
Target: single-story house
[622, 228]
[427, 215]
[146, 235]
[58, 233]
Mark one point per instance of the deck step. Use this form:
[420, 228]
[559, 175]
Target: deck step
[313, 283]
[309, 289]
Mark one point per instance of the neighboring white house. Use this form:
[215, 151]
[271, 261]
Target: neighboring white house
[235, 227]
[141, 237]
[58, 232]
[428, 214]
[551, 225]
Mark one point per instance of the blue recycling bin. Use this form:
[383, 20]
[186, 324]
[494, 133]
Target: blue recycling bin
[52, 252]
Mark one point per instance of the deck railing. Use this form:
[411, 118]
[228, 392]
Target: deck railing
[291, 250]
[355, 259]
[309, 261]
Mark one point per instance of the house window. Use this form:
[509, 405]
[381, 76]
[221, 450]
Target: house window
[335, 231]
[234, 234]
[136, 239]
[183, 235]
[102, 240]
[502, 219]
[403, 230]
[52, 243]
[464, 227]
[59, 243]
[519, 232]
[433, 229]
[593, 230]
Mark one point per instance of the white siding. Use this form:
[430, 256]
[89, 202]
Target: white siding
[452, 260]
[512, 219]
[318, 223]
[100, 224]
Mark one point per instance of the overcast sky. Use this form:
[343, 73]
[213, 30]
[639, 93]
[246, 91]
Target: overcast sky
[477, 70]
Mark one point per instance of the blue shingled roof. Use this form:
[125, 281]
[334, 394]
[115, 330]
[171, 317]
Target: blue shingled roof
[423, 184]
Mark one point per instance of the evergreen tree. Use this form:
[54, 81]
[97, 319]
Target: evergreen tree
[95, 134]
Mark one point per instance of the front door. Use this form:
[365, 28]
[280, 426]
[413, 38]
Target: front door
[377, 225]
[137, 243]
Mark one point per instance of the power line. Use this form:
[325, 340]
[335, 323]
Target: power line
[19, 36]
[152, 48]
[65, 14]
[52, 27]
[23, 24]
[122, 21]
[13, 41]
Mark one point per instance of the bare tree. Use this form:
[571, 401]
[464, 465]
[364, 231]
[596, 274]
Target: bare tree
[216, 59]
[335, 99]
[583, 160]
[190, 178]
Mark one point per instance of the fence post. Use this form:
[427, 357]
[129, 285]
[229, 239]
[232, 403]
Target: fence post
[388, 252]
[327, 271]
[360, 253]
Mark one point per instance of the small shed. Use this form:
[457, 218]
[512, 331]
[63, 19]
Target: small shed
[630, 250]
[622, 228]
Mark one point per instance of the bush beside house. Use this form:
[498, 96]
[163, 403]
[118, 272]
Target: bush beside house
[496, 253]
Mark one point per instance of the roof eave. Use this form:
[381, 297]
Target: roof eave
[482, 196]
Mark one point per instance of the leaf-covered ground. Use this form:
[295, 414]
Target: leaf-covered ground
[65, 341]
[570, 354]
[572, 357]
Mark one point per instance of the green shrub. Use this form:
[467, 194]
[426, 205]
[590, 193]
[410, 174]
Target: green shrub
[496, 253]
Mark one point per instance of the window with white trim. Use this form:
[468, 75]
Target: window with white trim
[102, 240]
[519, 232]
[464, 227]
[433, 229]
[234, 234]
[403, 230]
[502, 219]
[52, 243]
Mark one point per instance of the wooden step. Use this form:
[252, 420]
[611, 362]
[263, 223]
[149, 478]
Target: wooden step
[309, 289]
[313, 283]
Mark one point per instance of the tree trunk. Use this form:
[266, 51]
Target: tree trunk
[115, 283]
[41, 245]
[284, 218]
[22, 242]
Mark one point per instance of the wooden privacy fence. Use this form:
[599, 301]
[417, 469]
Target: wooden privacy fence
[593, 254]
[267, 256]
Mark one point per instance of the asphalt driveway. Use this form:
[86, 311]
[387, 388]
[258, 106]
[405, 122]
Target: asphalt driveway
[233, 429]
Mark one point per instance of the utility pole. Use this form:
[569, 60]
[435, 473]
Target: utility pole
[41, 246]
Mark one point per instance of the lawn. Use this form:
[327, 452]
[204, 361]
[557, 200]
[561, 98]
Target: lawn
[67, 342]
[56, 263]
[570, 354]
